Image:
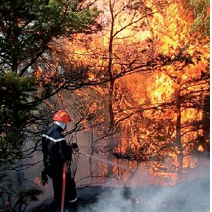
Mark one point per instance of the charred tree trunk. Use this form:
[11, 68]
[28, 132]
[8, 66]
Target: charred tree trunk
[14, 39]
[111, 87]
[20, 176]
[91, 153]
[110, 66]
[178, 134]
[206, 123]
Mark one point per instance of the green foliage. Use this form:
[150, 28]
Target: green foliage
[15, 113]
[201, 15]
[24, 198]
[11, 200]
[26, 28]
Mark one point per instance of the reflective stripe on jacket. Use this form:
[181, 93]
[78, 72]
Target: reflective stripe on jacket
[54, 147]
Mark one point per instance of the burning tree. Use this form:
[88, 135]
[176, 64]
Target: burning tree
[143, 80]
[170, 108]
[150, 76]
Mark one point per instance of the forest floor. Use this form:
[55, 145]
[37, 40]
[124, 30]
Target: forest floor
[192, 196]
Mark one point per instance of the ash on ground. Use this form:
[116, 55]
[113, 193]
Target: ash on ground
[192, 196]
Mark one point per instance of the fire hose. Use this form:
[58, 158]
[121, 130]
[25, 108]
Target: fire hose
[64, 186]
[92, 156]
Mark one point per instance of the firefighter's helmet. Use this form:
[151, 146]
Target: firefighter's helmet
[62, 116]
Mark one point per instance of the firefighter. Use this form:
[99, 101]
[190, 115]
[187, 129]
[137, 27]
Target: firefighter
[55, 153]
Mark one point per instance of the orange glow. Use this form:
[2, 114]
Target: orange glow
[161, 88]
[146, 105]
[37, 181]
[200, 148]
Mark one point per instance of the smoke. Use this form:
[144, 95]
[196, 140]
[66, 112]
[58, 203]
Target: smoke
[189, 196]
[144, 193]
[110, 201]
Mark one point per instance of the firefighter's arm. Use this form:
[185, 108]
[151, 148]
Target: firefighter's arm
[65, 150]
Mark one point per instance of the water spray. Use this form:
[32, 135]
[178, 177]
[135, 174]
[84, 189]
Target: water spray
[135, 200]
[108, 162]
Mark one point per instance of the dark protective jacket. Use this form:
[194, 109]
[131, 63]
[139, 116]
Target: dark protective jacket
[54, 147]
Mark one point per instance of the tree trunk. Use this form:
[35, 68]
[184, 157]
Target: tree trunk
[178, 134]
[90, 159]
[111, 87]
[206, 124]
[110, 66]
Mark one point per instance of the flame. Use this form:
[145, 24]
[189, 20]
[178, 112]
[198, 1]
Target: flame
[146, 128]
[200, 148]
[161, 88]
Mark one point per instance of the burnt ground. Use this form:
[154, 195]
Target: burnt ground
[192, 196]
[87, 196]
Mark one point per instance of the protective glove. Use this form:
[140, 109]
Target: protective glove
[74, 145]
